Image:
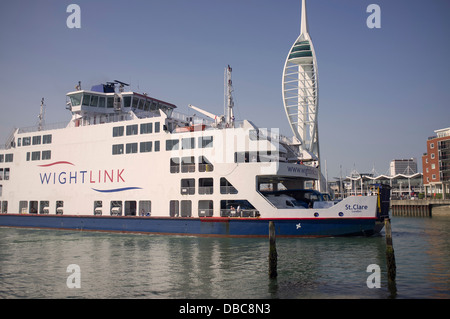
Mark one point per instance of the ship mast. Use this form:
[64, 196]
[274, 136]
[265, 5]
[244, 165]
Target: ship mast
[41, 116]
[229, 103]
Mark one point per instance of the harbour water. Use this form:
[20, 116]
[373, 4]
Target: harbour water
[34, 264]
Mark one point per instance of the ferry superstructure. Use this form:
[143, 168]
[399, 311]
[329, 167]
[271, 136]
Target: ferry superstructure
[129, 162]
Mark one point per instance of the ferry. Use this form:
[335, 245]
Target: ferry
[129, 162]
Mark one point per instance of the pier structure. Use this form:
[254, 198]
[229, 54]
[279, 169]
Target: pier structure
[421, 207]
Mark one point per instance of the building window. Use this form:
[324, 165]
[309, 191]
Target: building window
[131, 148]
[117, 131]
[187, 186]
[431, 145]
[433, 176]
[132, 129]
[145, 147]
[117, 149]
[432, 155]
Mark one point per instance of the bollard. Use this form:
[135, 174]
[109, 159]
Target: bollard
[390, 258]
[272, 251]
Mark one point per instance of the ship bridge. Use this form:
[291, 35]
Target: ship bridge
[103, 100]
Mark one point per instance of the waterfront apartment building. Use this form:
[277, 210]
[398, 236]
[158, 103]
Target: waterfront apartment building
[403, 166]
[436, 164]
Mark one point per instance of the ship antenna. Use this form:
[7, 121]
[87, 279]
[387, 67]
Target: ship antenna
[41, 116]
[229, 97]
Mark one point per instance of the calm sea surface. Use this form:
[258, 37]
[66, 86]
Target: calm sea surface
[33, 264]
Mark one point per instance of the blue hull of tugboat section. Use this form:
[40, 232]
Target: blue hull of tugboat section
[207, 226]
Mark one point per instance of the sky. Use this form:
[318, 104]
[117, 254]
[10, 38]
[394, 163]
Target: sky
[382, 91]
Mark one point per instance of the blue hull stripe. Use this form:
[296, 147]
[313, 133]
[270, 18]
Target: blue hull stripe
[234, 227]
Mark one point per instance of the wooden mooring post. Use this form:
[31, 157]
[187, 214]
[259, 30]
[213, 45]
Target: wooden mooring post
[390, 258]
[273, 256]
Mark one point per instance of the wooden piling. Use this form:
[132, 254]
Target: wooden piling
[390, 257]
[273, 256]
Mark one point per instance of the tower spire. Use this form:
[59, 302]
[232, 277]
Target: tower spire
[304, 22]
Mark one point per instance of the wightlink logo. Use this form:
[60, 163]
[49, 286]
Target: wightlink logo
[102, 176]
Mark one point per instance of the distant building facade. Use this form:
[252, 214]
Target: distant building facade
[403, 166]
[436, 164]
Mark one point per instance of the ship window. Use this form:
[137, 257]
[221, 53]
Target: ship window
[141, 104]
[44, 207]
[37, 140]
[117, 131]
[101, 101]
[226, 187]
[28, 156]
[174, 208]
[47, 139]
[26, 141]
[187, 186]
[46, 155]
[172, 145]
[205, 208]
[6, 174]
[205, 186]
[175, 165]
[116, 207]
[86, 99]
[132, 129]
[204, 165]
[157, 127]
[186, 208]
[98, 207]
[8, 158]
[205, 141]
[145, 147]
[19, 142]
[33, 207]
[127, 101]
[130, 208]
[94, 100]
[135, 102]
[145, 208]
[156, 146]
[117, 149]
[187, 143]
[2, 158]
[147, 105]
[23, 207]
[59, 207]
[110, 102]
[131, 148]
[35, 156]
[75, 99]
[1, 190]
[4, 204]
[1, 174]
[146, 128]
[237, 208]
[187, 164]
